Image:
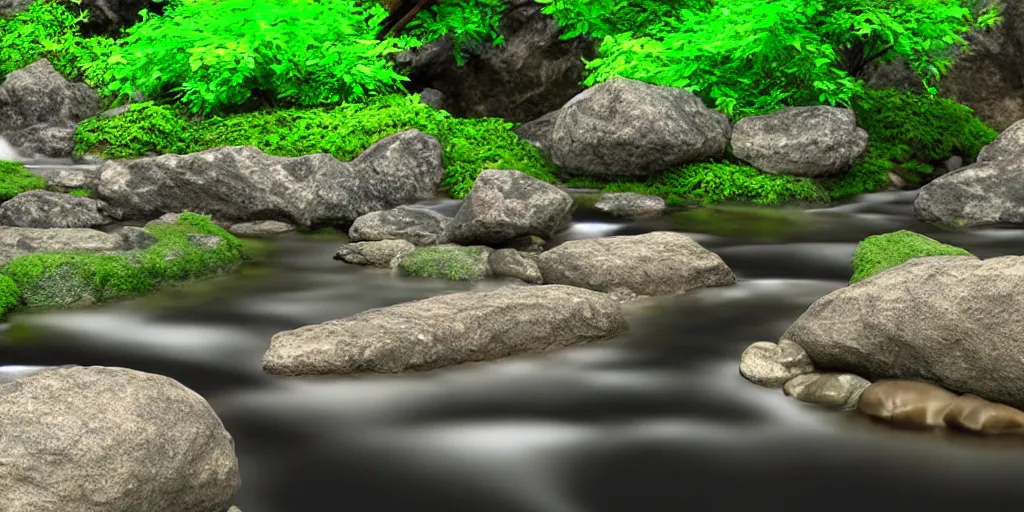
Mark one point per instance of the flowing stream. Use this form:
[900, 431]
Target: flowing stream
[658, 419]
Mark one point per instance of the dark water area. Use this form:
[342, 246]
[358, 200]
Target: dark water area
[657, 419]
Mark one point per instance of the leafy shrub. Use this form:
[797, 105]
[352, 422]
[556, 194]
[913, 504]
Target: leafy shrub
[344, 131]
[754, 57]
[10, 295]
[50, 29]
[60, 279]
[213, 55]
[470, 24]
[909, 131]
[15, 179]
[877, 253]
[716, 182]
[80, 192]
[452, 263]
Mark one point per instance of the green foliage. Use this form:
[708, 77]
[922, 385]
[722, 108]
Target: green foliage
[80, 192]
[344, 131]
[877, 253]
[215, 55]
[452, 263]
[50, 29]
[716, 182]
[603, 18]
[61, 279]
[10, 295]
[908, 131]
[470, 24]
[755, 57]
[15, 179]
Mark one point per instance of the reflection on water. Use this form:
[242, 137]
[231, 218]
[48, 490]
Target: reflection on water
[656, 419]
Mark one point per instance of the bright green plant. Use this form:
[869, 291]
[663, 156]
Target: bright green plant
[754, 57]
[216, 55]
[344, 131]
[61, 279]
[15, 179]
[452, 263]
[718, 182]
[80, 192]
[470, 24]
[10, 295]
[877, 253]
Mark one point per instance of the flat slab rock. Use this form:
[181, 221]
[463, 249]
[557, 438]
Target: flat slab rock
[16, 242]
[447, 330]
[659, 263]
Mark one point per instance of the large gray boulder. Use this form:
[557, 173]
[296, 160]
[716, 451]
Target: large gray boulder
[42, 209]
[16, 242]
[989, 192]
[627, 128]
[950, 320]
[800, 141]
[538, 132]
[659, 263]
[96, 439]
[1009, 144]
[40, 110]
[447, 330]
[241, 183]
[506, 205]
[69, 178]
[532, 72]
[416, 225]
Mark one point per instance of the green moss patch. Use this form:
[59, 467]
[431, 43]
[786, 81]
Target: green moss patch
[453, 263]
[15, 179]
[877, 253]
[184, 250]
[344, 131]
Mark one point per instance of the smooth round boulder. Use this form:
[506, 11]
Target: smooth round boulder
[659, 263]
[98, 439]
[906, 402]
[771, 365]
[800, 141]
[385, 253]
[416, 225]
[975, 414]
[631, 204]
[625, 128]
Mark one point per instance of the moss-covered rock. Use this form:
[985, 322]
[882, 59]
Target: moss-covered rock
[193, 247]
[10, 295]
[877, 253]
[447, 262]
[15, 179]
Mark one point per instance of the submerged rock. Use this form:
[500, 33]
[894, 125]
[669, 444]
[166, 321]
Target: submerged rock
[416, 225]
[511, 263]
[659, 263]
[923, 405]
[631, 204]
[41, 209]
[384, 253]
[952, 320]
[800, 141]
[771, 365]
[447, 330]
[505, 205]
[837, 390]
[261, 228]
[112, 440]
[628, 128]
[241, 183]
[41, 109]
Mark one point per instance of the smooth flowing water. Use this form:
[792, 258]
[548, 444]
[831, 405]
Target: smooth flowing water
[658, 419]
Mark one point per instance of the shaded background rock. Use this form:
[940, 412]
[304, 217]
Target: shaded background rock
[533, 72]
[112, 439]
[800, 141]
[446, 330]
[659, 263]
[628, 128]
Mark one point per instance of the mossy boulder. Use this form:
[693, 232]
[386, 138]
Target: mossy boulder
[877, 253]
[15, 179]
[191, 248]
[448, 262]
